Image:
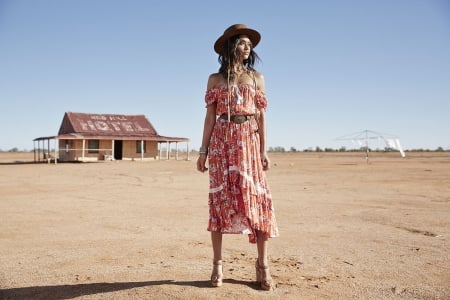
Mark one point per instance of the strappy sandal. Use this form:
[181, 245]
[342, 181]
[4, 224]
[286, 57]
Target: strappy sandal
[262, 277]
[217, 274]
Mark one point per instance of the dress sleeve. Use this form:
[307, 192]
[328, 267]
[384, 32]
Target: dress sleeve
[211, 96]
[260, 99]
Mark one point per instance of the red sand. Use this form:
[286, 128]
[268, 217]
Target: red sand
[137, 230]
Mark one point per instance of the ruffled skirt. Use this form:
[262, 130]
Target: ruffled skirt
[239, 196]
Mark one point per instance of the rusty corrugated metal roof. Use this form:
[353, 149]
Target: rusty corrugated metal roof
[106, 125]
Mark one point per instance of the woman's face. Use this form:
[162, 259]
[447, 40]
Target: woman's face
[243, 47]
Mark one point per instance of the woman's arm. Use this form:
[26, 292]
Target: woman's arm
[262, 125]
[208, 126]
[210, 121]
[262, 139]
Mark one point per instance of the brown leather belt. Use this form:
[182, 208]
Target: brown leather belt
[237, 119]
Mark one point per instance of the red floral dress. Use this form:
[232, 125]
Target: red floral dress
[239, 196]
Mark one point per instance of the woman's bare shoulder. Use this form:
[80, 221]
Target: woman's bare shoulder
[260, 82]
[215, 80]
[258, 75]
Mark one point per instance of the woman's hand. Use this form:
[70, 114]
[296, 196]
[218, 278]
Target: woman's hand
[201, 163]
[265, 161]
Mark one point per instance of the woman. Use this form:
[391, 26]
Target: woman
[234, 140]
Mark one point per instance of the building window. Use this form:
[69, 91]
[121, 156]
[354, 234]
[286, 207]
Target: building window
[138, 146]
[93, 146]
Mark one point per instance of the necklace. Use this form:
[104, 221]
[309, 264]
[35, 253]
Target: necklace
[241, 77]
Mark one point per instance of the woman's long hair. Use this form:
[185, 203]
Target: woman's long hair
[228, 59]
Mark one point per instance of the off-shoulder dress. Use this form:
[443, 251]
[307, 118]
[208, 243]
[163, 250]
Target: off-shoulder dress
[239, 196]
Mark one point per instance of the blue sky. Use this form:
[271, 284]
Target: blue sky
[331, 67]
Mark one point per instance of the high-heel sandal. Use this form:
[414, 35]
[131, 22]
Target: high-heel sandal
[265, 281]
[217, 274]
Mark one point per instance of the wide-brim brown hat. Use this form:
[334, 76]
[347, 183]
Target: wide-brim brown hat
[233, 30]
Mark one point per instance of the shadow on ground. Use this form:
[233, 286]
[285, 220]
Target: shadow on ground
[77, 290]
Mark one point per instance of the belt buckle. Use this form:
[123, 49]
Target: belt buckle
[239, 119]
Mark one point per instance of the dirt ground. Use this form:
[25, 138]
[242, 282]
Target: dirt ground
[137, 230]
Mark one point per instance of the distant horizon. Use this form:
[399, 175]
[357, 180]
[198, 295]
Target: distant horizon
[276, 149]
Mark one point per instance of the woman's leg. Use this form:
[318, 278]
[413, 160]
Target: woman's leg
[216, 238]
[217, 272]
[262, 243]
[262, 264]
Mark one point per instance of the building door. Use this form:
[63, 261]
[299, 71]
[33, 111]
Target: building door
[118, 149]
